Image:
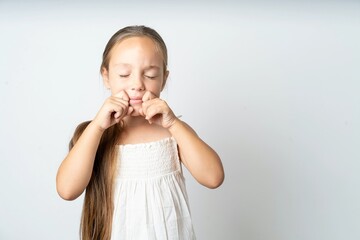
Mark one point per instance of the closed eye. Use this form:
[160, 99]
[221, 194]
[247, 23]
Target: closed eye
[124, 75]
[150, 77]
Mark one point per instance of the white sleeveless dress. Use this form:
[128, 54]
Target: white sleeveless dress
[150, 199]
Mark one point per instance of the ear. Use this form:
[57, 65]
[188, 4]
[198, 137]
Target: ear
[166, 74]
[105, 76]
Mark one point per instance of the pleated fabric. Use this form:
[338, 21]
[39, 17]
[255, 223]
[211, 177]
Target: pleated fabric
[150, 200]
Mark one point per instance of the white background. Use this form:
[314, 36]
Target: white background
[272, 86]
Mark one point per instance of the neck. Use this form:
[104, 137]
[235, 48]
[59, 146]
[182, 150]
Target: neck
[136, 121]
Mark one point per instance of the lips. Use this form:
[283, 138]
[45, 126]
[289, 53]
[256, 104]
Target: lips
[135, 100]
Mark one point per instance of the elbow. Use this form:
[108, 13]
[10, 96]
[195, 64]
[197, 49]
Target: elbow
[65, 192]
[212, 177]
[66, 195]
[215, 181]
[217, 178]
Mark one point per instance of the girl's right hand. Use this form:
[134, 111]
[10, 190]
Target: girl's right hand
[113, 110]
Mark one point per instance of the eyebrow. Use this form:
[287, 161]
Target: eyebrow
[146, 68]
[152, 67]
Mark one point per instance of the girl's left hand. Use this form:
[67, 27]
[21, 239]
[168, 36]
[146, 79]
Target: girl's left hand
[156, 110]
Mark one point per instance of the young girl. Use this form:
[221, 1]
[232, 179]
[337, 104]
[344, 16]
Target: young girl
[128, 158]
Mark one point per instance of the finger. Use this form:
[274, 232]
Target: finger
[143, 111]
[117, 115]
[122, 95]
[119, 110]
[147, 104]
[119, 101]
[153, 110]
[148, 96]
[130, 110]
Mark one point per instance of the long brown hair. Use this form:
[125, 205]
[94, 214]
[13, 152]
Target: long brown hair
[97, 214]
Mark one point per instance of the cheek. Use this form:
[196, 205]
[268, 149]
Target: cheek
[116, 87]
[116, 83]
[155, 87]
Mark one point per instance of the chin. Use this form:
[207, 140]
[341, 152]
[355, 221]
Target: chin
[135, 113]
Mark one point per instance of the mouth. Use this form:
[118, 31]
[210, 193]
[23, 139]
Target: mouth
[135, 100]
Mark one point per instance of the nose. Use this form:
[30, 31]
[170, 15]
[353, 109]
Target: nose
[137, 83]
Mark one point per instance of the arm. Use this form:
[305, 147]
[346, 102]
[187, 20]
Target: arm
[76, 169]
[199, 158]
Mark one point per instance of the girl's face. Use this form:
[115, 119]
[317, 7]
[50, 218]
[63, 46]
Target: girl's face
[135, 66]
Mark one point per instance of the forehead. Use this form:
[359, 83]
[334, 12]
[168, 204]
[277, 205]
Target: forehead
[136, 50]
